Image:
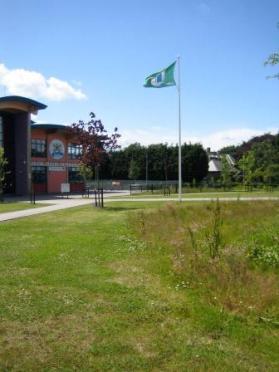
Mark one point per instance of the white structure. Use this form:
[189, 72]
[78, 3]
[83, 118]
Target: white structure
[215, 163]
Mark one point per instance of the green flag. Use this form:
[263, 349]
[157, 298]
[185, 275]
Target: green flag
[161, 79]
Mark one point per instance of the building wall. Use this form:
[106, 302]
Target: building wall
[22, 153]
[57, 160]
[16, 143]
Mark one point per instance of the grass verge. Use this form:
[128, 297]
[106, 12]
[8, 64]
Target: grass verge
[213, 194]
[86, 289]
[18, 206]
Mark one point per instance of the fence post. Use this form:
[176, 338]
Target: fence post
[95, 194]
[32, 195]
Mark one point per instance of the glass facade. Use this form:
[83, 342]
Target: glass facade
[74, 175]
[38, 148]
[39, 174]
[1, 133]
[74, 151]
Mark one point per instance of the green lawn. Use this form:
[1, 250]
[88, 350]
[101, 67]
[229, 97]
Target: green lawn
[18, 206]
[106, 290]
[220, 194]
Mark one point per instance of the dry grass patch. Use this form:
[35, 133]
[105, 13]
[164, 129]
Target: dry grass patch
[207, 250]
[33, 345]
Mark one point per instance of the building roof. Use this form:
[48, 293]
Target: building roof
[214, 165]
[49, 126]
[20, 103]
[215, 162]
[52, 128]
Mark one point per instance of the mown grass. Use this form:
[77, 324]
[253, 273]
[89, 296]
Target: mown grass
[18, 206]
[213, 194]
[86, 289]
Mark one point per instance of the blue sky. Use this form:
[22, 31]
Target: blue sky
[82, 56]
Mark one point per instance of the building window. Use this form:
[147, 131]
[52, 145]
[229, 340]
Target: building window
[74, 175]
[1, 133]
[38, 148]
[74, 151]
[39, 174]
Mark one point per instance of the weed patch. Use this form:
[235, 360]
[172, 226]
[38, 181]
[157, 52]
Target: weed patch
[203, 243]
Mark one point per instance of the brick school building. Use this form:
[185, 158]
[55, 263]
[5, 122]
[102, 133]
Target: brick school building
[40, 156]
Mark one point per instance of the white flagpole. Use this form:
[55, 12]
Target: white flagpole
[179, 133]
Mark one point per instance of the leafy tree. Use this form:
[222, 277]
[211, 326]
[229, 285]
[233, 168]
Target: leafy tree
[226, 172]
[134, 170]
[272, 60]
[119, 165]
[95, 142]
[248, 166]
[136, 152]
[3, 172]
[194, 162]
[85, 172]
[231, 150]
[238, 151]
[271, 174]
[162, 162]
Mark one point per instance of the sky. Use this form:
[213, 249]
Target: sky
[89, 55]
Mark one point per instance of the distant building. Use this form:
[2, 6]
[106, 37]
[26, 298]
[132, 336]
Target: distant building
[215, 163]
[40, 156]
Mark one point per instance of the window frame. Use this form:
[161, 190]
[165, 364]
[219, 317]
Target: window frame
[41, 174]
[38, 148]
[74, 151]
[74, 175]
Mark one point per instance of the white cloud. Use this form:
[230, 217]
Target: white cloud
[215, 140]
[36, 85]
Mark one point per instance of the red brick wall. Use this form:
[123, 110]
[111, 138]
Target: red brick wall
[57, 170]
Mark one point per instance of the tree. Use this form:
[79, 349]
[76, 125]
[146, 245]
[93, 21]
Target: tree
[248, 166]
[85, 172]
[272, 60]
[194, 162]
[231, 150]
[271, 174]
[226, 176]
[95, 142]
[135, 155]
[3, 172]
[134, 170]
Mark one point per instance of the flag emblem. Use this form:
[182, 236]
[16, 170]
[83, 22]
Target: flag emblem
[164, 78]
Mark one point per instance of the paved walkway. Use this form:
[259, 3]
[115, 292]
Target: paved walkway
[58, 203]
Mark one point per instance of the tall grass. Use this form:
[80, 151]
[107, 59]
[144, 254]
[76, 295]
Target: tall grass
[208, 248]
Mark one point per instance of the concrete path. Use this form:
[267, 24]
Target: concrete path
[58, 203]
